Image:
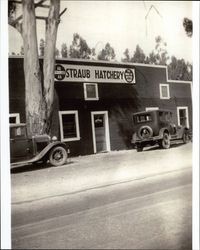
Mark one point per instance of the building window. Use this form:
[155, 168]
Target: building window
[69, 125]
[151, 108]
[91, 91]
[183, 117]
[164, 91]
[14, 118]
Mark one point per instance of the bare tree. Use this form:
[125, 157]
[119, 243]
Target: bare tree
[39, 93]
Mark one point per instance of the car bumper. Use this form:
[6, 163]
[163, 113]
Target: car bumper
[147, 140]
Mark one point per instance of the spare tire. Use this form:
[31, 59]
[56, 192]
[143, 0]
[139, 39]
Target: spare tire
[145, 132]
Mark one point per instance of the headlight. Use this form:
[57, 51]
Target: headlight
[54, 138]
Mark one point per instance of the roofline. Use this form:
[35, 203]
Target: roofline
[99, 61]
[115, 63]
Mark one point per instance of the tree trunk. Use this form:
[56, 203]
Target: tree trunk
[49, 59]
[33, 88]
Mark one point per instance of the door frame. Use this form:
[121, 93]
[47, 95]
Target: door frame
[187, 115]
[107, 133]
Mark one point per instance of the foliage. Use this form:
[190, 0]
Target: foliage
[107, 54]
[138, 56]
[178, 69]
[57, 53]
[22, 51]
[127, 57]
[159, 55]
[93, 54]
[64, 51]
[79, 48]
[188, 26]
[11, 9]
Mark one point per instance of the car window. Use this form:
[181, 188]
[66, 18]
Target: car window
[142, 118]
[18, 132]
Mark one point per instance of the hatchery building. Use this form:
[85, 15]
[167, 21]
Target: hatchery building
[95, 101]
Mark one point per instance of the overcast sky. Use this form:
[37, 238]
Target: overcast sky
[122, 24]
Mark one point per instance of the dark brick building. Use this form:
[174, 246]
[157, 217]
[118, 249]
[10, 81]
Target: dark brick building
[95, 101]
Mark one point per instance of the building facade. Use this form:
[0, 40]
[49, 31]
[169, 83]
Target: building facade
[95, 100]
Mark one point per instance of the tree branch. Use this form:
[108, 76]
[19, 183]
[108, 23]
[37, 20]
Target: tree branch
[62, 12]
[17, 25]
[44, 6]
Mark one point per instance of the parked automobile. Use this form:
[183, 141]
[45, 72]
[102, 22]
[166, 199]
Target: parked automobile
[156, 127]
[40, 148]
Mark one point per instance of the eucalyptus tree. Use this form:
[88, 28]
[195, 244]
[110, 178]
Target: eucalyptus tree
[39, 91]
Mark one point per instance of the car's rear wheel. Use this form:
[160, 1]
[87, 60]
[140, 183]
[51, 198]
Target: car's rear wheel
[165, 142]
[58, 156]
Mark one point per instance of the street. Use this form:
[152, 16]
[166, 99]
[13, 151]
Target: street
[119, 200]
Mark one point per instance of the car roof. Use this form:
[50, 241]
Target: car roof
[15, 125]
[152, 111]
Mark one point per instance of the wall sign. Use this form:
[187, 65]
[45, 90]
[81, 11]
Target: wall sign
[87, 73]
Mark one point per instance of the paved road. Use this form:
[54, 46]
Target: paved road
[149, 212]
[118, 200]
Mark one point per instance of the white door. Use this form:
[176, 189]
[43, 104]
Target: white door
[100, 131]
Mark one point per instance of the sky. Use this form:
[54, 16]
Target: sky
[122, 24]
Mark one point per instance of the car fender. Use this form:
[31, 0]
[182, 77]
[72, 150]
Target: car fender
[161, 132]
[182, 130]
[134, 138]
[46, 150]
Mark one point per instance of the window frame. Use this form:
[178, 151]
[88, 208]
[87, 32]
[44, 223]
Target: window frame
[69, 112]
[168, 93]
[85, 84]
[151, 108]
[187, 115]
[16, 115]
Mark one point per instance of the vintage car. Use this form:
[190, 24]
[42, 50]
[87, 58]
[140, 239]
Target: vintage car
[156, 127]
[40, 148]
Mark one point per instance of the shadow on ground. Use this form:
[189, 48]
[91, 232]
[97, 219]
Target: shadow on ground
[33, 167]
[156, 147]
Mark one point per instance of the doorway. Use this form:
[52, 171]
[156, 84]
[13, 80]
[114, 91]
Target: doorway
[183, 119]
[100, 131]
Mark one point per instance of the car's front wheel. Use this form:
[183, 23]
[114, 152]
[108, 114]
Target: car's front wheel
[165, 142]
[58, 156]
[185, 137]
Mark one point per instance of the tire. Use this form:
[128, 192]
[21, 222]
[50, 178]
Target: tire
[145, 132]
[165, 142]
[58, 156]
[139, 148]
[185, 137]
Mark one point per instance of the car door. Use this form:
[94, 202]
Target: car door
[20, 145]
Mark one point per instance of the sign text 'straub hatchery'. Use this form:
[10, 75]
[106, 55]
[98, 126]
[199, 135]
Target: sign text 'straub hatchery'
[94, 74]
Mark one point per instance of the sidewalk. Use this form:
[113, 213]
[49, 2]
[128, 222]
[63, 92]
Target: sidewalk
[94, 171]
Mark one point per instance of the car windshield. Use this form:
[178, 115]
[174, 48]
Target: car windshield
[142, 118]
[17, 132]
